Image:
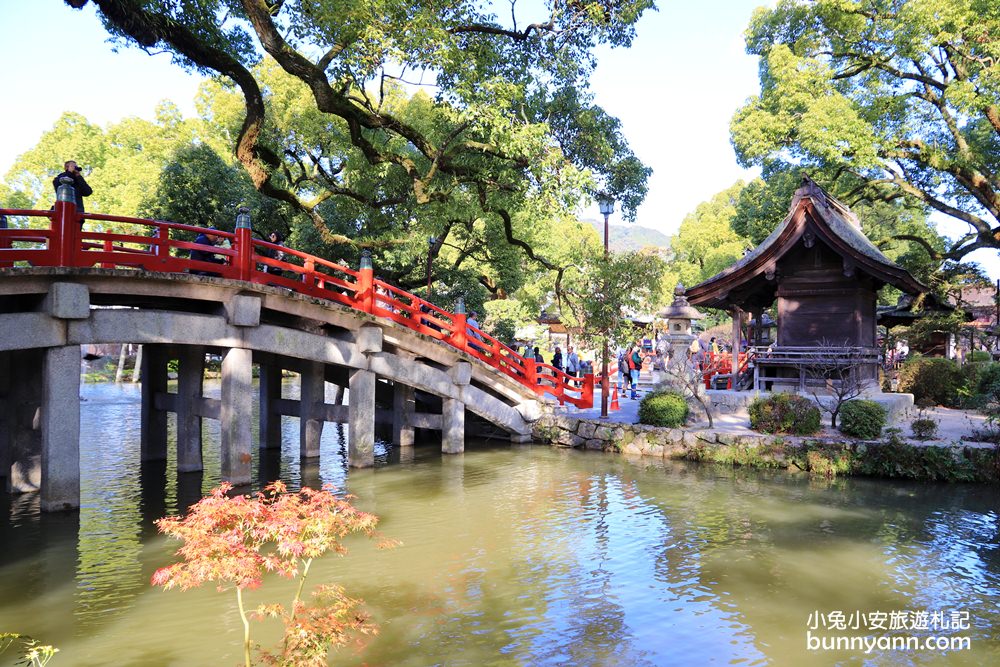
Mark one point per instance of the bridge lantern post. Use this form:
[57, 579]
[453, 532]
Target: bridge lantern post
[459, 334]
[365, 294]
[65, 224]
[244, 245]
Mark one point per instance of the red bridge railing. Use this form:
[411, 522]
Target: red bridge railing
[66, 242]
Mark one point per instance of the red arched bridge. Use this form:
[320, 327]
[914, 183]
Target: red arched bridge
[405, 362]
[68, 243]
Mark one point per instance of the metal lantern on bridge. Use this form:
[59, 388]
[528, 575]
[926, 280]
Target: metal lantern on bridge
[679, 316]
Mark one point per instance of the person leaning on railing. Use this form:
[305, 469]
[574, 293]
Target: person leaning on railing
[206, 238]
[273, 253]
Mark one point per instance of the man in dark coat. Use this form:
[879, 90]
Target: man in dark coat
[80, 187]
[206, 238]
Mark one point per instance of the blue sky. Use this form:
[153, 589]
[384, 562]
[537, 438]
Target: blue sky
[674, 91]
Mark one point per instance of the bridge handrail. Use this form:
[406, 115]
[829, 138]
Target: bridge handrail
[66, 243]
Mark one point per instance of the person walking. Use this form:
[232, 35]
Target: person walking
[572, 362]
[472, 330]
[635, 367]
[557, 359]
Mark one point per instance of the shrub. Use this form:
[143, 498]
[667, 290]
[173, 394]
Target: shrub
[784, 413]
[987, 378]
[934, 378]
[924, 428]
[663, 408]
[862, 419]
[978, 356]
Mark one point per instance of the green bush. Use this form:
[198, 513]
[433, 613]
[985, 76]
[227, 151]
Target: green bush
[978, 356]
[663, 408]
[934, 378]
[862, 419]
[988, 376]
[924, 428]
[784, 413]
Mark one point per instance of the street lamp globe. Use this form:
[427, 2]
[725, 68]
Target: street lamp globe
[606, 203]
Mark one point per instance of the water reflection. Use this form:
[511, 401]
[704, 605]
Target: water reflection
[512, 555]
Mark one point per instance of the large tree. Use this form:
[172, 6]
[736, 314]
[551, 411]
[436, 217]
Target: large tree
[505, 128]
[902, 99]
[706, 243]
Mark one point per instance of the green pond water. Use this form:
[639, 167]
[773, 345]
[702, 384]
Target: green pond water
[521, 555]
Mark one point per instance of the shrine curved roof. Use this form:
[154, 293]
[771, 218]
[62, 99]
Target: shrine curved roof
[838, 226]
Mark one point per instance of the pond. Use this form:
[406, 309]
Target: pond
[523, 555]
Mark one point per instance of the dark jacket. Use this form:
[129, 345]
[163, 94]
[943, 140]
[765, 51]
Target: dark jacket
[80, 187]
[205, 255]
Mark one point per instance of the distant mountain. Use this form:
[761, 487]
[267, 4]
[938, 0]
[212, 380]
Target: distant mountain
[630, 237]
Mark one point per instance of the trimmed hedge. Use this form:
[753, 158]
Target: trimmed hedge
[784, 413]
[663, 408]
[862, 419]
[933, 378]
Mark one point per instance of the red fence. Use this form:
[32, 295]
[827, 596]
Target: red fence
[722, 364]
[66, 242]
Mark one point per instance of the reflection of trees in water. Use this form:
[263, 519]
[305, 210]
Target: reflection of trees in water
[773, 547]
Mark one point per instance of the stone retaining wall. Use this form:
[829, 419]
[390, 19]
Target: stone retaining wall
[815, 455]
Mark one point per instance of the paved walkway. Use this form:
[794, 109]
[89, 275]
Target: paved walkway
[953, 425]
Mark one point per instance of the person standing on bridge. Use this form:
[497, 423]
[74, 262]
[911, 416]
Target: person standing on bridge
[557, 359]
[273, 253]
[572, 361]
[80, 187]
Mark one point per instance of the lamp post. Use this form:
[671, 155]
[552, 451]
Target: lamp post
[430, 248]
[607, 206]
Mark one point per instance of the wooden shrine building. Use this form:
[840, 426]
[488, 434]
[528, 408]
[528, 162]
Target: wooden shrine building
[824, 274]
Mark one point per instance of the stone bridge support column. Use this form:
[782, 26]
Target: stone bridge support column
[153, 439]
[270, 391]
[312, 395]
[453, 412]
[403, 407]
[190, 390]
[60, 425]
[361, 402]
[236, 409]
[235, 415]
[24, 471]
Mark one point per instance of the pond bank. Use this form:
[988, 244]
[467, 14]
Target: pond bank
[822, 455]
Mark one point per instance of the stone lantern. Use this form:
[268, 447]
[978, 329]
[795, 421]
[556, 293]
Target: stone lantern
[679, 315]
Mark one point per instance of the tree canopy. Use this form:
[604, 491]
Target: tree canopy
[388, 122]
[706, 242]
[901, 100]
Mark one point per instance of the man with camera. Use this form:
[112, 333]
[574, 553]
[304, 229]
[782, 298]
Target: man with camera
[80, 186]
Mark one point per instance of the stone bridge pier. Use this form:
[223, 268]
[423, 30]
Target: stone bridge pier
[392, 378]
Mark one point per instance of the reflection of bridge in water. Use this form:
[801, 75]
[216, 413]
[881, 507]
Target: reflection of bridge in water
[404, 361]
